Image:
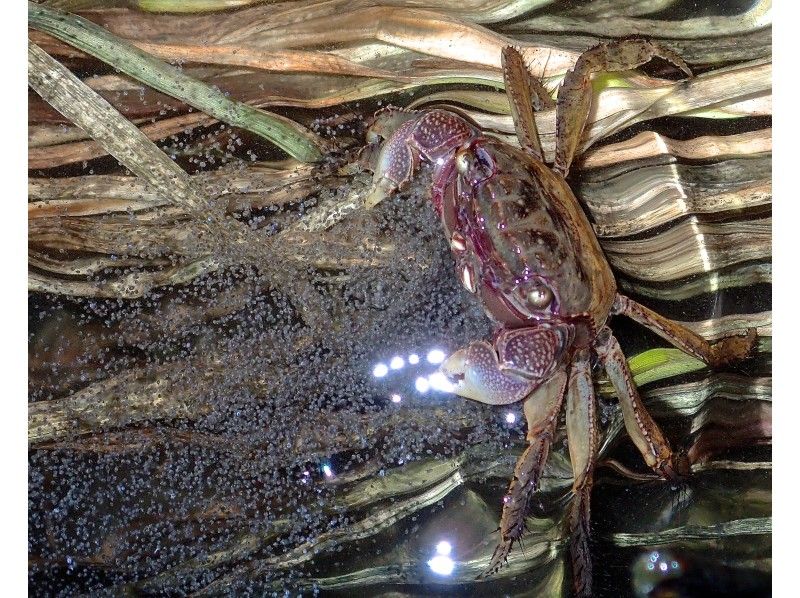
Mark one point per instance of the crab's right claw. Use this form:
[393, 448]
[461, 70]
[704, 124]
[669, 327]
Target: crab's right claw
[474, 373]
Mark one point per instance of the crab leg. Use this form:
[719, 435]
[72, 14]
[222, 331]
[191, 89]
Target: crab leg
[524, 94]
[541, 411]
[716, 354]
[575, 97]
[582, 436]
[644, 432]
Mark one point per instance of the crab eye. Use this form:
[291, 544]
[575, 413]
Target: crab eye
[540, 296]
[462, 162]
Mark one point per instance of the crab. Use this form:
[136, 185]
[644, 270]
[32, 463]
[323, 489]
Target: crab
[525, 249]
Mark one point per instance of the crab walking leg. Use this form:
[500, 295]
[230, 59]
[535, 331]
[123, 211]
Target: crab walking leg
[541, 411]
[524, 94]
[575, 93]
[716, 354]
[582, 437]
[644, 432]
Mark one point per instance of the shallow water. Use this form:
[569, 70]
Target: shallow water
[268, 427]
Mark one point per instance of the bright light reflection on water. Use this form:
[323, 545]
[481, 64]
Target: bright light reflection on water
[422, 385]
[435, 356]
[439, 381]
[436, 380]
[441, 564]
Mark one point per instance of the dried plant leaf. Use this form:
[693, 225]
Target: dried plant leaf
[740, 275]
[696, 51]
[194, 6]
[741, 527]
[691, 247]
[638, 199]
[757, 17]
[480, 11]
[119, 137]
[612, 8]
[94, 40]
[62, 153]
[650, 144]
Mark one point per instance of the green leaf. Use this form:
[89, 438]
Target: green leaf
[657, 364]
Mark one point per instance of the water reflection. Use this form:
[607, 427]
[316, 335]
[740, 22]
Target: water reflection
[442, 564]
[439, 381]
[423, 384]
[436, 356]
[673, 574]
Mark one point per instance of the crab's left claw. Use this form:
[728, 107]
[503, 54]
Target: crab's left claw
[393, 162]
[382, 188]
[474, 373]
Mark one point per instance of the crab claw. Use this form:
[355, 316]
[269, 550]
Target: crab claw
[381, 190]
[393, 165]
[475, 373]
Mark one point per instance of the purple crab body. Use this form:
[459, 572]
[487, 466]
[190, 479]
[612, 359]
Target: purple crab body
[524, 248]
[521, 244]
[529, 241]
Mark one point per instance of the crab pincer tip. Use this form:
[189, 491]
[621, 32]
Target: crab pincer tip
[380, 191]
